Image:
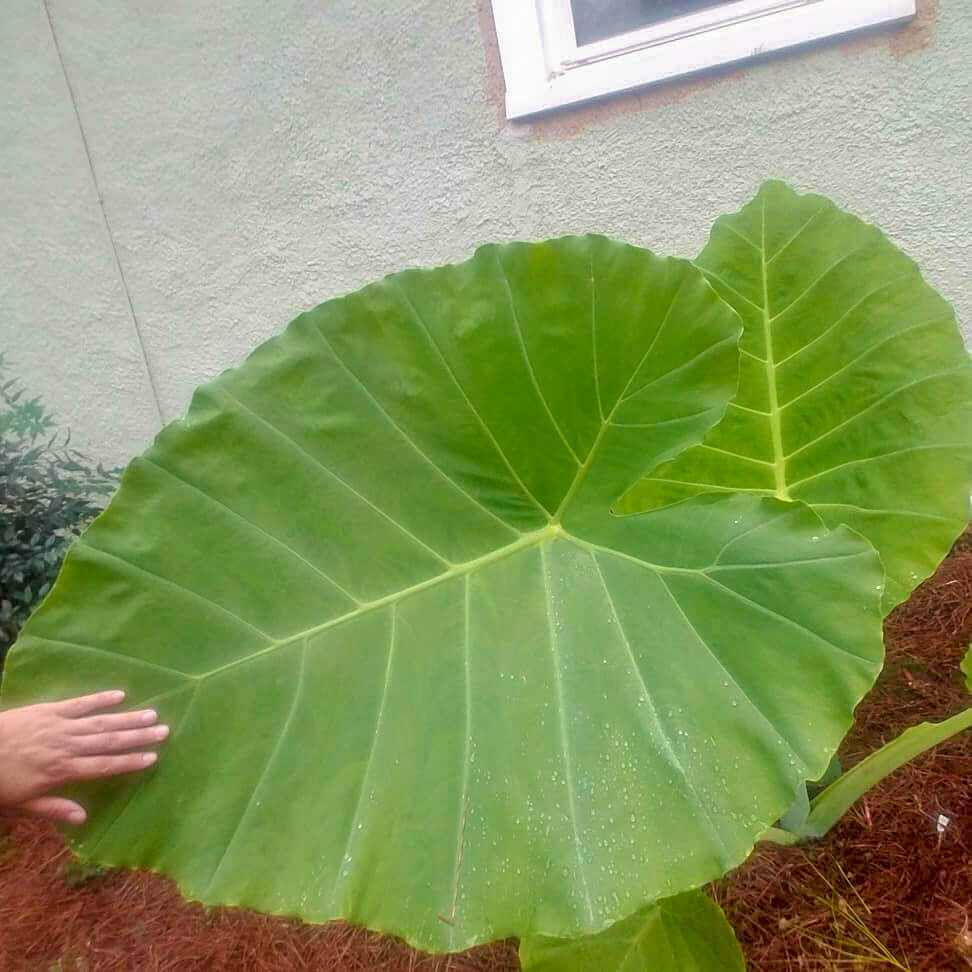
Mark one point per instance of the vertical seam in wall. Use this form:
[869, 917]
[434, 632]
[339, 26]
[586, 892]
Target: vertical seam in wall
[104, 217]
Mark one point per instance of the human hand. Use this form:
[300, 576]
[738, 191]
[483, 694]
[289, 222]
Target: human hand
[47, 745]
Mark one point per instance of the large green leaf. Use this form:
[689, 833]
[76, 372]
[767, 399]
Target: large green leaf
[855, 391]
[687, 933]
[419, 676]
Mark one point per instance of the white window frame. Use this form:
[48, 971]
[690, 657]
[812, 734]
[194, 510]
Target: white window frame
[545, 68]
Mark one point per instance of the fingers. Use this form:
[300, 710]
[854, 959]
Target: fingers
[95, 744]
[98, 767]
[72, 708]
[57, 809]
[115, 722]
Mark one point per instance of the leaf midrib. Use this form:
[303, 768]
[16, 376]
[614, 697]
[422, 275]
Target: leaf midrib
[526, 542]
[782, 488]
[779, 460]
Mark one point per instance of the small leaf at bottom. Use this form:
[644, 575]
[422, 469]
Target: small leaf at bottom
[686, 933]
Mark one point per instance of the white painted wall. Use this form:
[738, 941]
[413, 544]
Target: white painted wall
[256, 158]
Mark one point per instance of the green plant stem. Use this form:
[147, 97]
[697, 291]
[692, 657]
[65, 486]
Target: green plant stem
[778, 836]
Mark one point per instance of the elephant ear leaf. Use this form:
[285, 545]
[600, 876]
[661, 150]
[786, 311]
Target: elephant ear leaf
[686, 933]
[419, 675]
[855, 392]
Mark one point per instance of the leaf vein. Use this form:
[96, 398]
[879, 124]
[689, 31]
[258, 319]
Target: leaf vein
[883, 455]
[564, 744]
[668, 751]
[780, 563]
[735, 455]
[739, 536]
[529, 364]
[112, 654]
[897, 391]
[732, 678]
[597, 380]
[730, 288]
[271, 759]
[367, 391]
[863, 354]
[857, 304]
[466, 759]
[330, 472]
[742, 236]
[912, 513]
[685, 364]
[655, 425]
[714, 487]
[129, 565]
[250, 523]
[820, 279]
[462, 391]
[797, 234]
[606, 423]
[93, 850]
[782, 617]
[379, 725]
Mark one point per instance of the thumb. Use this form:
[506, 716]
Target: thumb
[56, 808]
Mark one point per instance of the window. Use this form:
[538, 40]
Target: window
[596, 20]
[558, 52]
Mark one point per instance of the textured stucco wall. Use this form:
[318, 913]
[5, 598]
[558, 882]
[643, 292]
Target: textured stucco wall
[254, 159]
[65, 323]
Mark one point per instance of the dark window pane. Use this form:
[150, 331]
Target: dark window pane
[596, 19]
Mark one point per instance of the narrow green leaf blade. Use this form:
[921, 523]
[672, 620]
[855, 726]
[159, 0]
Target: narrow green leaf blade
[686, 933]
[855, 390]
[417, 673]
[830, 805]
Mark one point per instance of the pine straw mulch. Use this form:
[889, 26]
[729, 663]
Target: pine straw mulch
[887, 888]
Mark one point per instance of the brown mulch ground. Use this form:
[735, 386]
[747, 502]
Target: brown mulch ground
[885, 889]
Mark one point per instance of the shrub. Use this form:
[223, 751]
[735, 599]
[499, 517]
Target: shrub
[48, 493]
